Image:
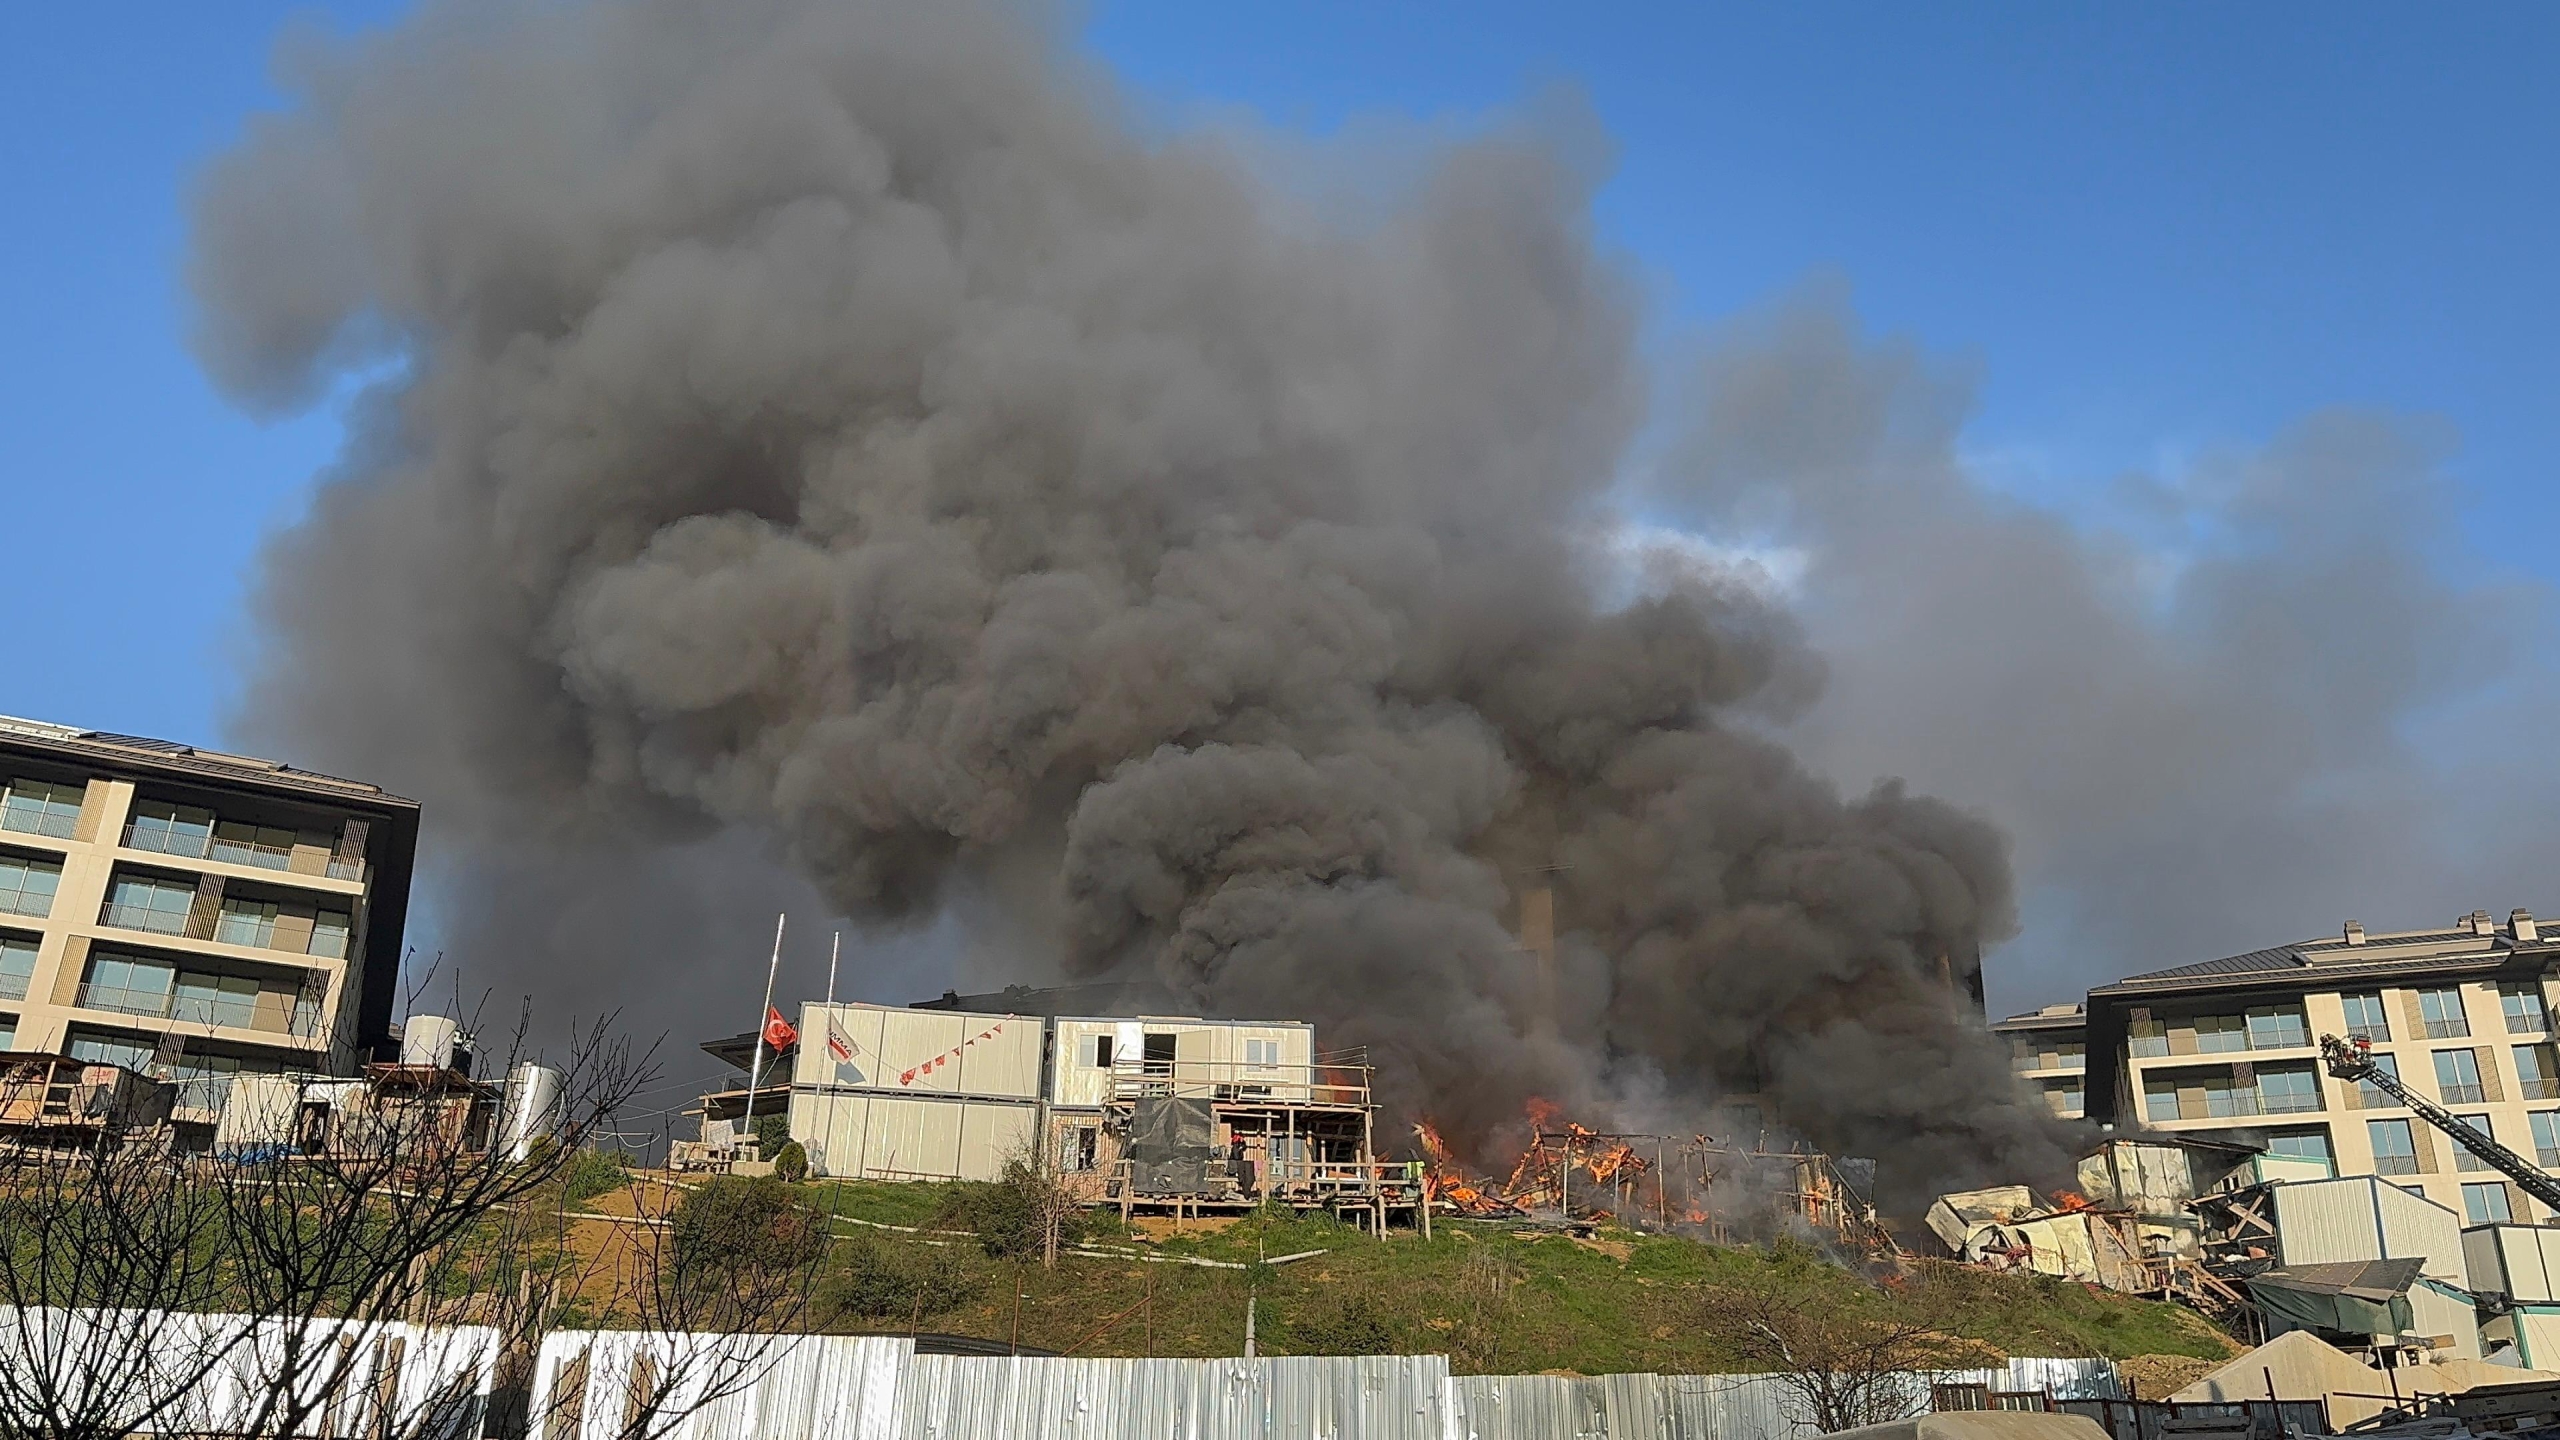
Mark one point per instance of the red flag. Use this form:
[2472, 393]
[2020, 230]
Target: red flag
[778, 1034]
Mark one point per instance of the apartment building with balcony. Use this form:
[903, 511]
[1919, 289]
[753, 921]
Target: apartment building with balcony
[192, 913]
[2462, 1015]
[2049, 1050]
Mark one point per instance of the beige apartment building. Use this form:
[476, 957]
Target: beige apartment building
[2049, 1050]
[2461, 1015]
[198, 914]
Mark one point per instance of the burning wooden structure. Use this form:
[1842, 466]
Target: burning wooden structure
[1722, 1188]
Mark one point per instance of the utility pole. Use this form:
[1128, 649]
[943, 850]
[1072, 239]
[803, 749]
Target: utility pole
[755, 1071]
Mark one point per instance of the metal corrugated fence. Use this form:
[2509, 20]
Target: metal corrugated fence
[839, 1387]
[432, 1378]
[1708, 1407]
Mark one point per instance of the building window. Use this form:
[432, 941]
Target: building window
[2370, 1096]
[17, 965]
[2464, 1157]
[2522, 1005]
[129, 984]
[1076, 1149]
[8, 1032]
[2546, 1138]
[247, 922]
[260, 845]
[216, 1000]
[2023, 1054]
[2366, 1018]
[1262, 1054]
[2312, 1145]
[2485, 1203]
[2288, 1089]
[2395, 1149]
[27, 886]
[2538, 1072]
[1097, 1052]
[2160, 1099]
[2278, 1029]
[2458, 1078]
[2146, 1039]
[2221, 1034]
[40, 807]
[131, 1052]
[148, 902]
[2067, 1098]
[329, 932]
[2441, 1010]
[169, 829]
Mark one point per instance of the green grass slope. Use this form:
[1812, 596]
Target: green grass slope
[1491, 1299]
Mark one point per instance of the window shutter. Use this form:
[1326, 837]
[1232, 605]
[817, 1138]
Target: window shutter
[206, 909]
[2416, 1018]
[2490, 1087]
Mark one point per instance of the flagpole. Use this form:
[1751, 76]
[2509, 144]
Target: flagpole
[755, 1072]
[833, 946]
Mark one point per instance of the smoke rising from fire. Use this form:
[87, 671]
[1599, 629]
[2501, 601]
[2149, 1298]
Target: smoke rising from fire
[832, 434]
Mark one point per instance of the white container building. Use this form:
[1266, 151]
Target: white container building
[2361, 1217]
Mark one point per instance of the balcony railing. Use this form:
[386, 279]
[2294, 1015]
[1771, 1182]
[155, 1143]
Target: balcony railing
[2395, 1165]
[2466, 1094]
[125, 915]
[2456, 1028]
[2539, 1087]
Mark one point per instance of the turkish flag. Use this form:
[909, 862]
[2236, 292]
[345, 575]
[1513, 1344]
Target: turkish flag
[778, 1034]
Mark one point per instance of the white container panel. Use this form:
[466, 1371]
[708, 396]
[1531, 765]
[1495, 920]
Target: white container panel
[2538, 1339]
[860, 1026]
[830, 1128]
[2528, 1262]
[1074, 1079]
[914, 1138]
[2484, 1270]
[2416, 1228]
[1002, 1057]
[2432, 1312]
[2321, 1222]
[991, 1133]
[911, 1040]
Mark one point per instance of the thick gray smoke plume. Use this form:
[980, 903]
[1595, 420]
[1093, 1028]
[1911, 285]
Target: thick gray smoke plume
[832, 426]
[2218, 707]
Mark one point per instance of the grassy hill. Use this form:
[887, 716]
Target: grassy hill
[1492, 1299]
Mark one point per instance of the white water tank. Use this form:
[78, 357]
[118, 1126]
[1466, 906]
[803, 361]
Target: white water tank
[429, 1040]
[533, 1109]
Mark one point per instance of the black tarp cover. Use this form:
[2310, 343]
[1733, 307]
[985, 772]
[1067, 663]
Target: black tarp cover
[1170, 1146]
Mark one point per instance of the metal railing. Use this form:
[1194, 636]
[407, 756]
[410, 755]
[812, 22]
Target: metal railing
[1346, 1086]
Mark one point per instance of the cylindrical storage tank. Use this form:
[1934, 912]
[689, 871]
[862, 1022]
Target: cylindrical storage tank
[429, 1040]
[259, 1116]
[533, 1109]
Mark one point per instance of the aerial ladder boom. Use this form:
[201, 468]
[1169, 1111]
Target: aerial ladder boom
[2353, 1060]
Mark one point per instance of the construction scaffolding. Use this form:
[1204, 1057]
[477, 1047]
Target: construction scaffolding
[1192, 1137]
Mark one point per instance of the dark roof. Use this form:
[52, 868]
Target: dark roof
[1100, 997]
[740, 1050]
[106, 747]
[2071, 1019]
[2331, 960]
[2380, 1281]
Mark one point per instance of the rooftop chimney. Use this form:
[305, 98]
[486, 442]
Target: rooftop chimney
[2521, 922]
[2480, 923]
[2355, 932]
